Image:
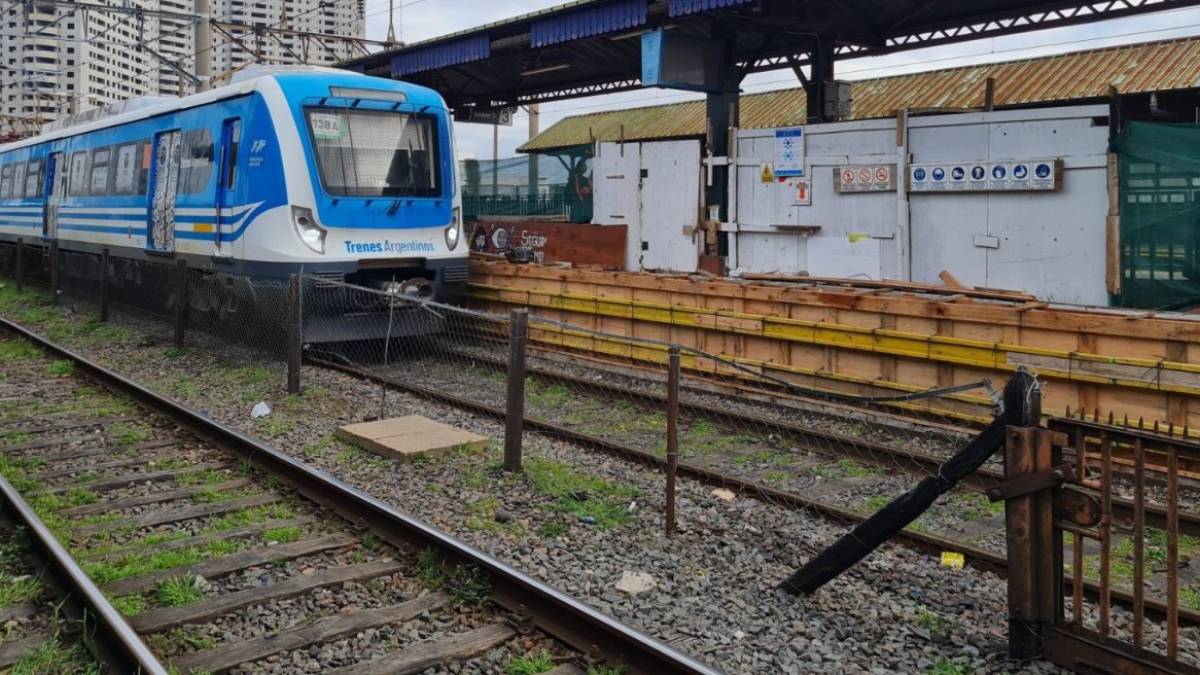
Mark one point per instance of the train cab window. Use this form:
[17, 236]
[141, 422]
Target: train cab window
[33, 180]
[18, 187]
[77, 180]
[196, 162]
[375, 153]
[98, 184]
[6, 182]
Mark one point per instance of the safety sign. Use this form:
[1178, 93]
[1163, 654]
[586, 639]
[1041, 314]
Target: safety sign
[1012, 176]
[789, 152]
[870, 178]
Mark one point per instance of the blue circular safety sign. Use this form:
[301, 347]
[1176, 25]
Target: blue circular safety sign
[978, 172]
[958, 173]
[939, 174]
[998, 172]
[919, 174]
[1020, 171]
[1042, 170]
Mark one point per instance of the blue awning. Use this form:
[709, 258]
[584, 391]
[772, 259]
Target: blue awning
[439, 56]
[681, 7]
[588, 22]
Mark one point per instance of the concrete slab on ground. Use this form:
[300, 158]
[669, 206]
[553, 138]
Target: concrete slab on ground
[404, 437]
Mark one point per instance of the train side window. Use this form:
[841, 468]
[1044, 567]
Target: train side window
[33, 180]
[98, 184]
[6, 182]
[235, 140]
[125, 175]
[18, 185]
[77, 181]
[196, 163]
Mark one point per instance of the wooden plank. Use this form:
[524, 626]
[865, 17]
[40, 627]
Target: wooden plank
[189, 542]
[153, 498]
[140, 460]
[12, 652]
[404, 437]
[192, 512]
[45, 443]
[228, 656]
[159, 620]
[71, 424]
[949, 280]
[21, 611]
[414, 659]
[129, 480]
[109, 450]
[231, 563]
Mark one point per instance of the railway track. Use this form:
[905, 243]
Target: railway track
[824, 460]
[197, 548]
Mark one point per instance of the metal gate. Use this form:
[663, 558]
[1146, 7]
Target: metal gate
[1104, 553]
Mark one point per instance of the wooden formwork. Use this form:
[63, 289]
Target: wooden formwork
[872, 338]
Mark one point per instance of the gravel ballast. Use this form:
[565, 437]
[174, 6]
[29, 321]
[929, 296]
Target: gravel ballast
[712, 584]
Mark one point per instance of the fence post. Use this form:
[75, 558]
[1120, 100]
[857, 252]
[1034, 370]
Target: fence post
[295, 343]
[20, 264]
[673, 359]
[514, 421]
[181, 300]
[54, 271]
[104, 284]
[1029, 554]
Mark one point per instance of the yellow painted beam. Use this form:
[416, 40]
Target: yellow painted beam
[1147, 374]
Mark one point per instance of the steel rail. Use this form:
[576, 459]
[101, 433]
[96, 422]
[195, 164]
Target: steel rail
[880, 455]
[922, 541]
[554, 612]
[114, 638]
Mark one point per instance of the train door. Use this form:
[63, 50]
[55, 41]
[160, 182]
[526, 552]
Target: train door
[227, 187]
[56, 184]
[164, 183]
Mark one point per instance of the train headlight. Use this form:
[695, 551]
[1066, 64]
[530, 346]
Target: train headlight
[454, 232]
[307, 229]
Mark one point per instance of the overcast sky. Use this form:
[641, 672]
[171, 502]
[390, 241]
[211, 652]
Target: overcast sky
[424, 19]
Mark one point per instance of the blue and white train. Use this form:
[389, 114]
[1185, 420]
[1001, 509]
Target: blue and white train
[330, 173]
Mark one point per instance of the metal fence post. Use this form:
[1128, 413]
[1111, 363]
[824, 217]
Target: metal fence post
[104, 284]
[20, 264]
[1028, 556]
[54, 271]
[518, 335]
[181, 300]
[673, 363]
[295, 344]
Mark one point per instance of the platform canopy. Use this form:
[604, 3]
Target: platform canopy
[591, 47]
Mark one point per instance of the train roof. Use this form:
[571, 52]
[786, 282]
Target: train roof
[302, 81]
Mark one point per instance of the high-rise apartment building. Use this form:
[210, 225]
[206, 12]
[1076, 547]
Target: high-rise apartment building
[56, 59]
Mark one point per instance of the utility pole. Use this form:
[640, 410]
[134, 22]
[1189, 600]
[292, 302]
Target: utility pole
[204, 45]
[391, 22]
[534, 129]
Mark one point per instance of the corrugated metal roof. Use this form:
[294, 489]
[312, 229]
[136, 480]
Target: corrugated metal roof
[1154, 66]
[587, 22]
[681, 7]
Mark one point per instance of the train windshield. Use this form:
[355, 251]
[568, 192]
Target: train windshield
[375, 153]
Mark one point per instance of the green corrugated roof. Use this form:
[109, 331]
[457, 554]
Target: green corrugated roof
[1153, 66]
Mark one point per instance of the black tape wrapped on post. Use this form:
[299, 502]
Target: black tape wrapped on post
[889, 520]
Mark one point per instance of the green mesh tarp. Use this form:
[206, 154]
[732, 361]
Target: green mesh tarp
[1160, 215]
[557, 183]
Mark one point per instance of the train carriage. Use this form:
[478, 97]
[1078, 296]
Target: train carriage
[337, 175]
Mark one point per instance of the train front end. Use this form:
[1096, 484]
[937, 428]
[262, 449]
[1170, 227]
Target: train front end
[383, 226]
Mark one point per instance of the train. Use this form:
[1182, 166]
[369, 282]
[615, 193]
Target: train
[347, 179]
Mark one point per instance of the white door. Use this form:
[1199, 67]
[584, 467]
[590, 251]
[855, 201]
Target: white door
[615, 179]
[670, 205]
